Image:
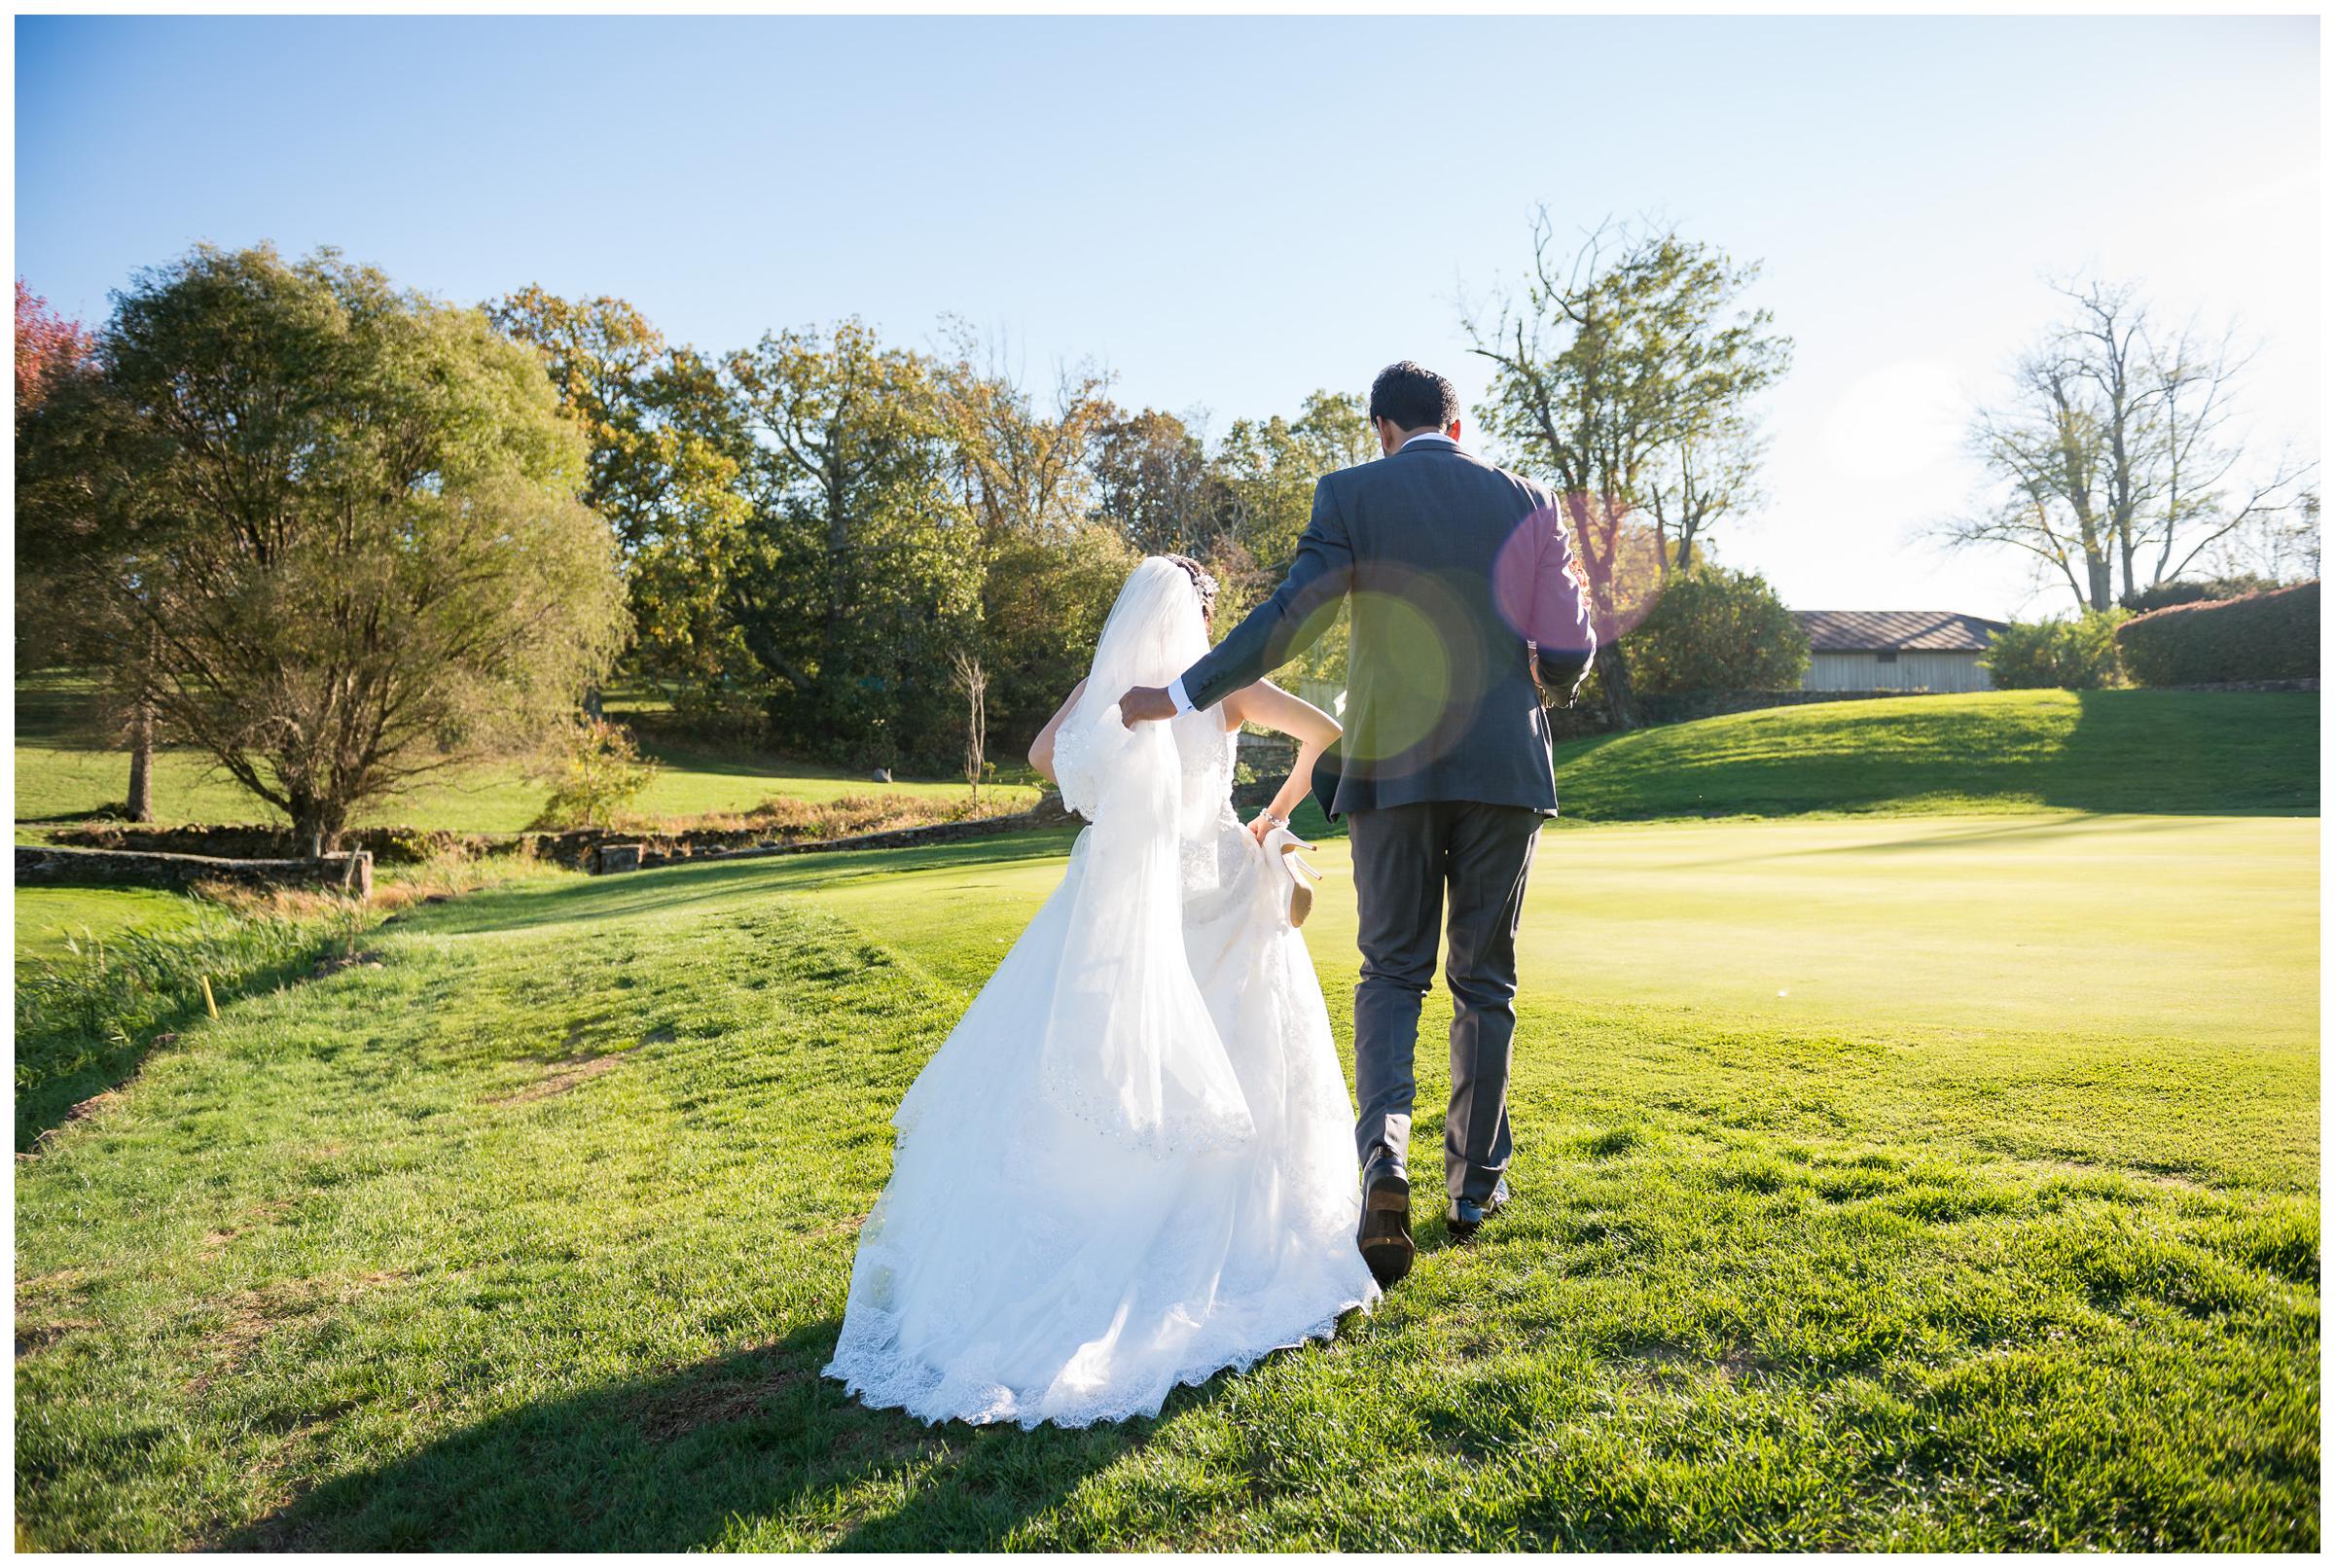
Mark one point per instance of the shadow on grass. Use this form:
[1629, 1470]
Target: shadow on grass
[2211, 753]
[2024, 830]
[661, 1463]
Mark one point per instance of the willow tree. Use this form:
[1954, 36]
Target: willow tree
[1625, 376]
[329, 528]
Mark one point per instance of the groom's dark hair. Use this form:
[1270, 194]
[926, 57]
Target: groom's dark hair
[1413, 397]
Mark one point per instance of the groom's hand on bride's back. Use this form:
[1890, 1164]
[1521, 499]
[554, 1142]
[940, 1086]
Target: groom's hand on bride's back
[1143, 703]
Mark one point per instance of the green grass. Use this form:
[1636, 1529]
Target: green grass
[61, 772]
[88, 1010]
[2213, 751]
[1934, 1182]
[48, 918]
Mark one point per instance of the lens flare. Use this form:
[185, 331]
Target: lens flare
[1428, 691]
[1627, 561]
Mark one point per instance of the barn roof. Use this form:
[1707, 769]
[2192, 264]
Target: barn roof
[1867, 631]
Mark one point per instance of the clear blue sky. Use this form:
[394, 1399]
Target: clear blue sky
[1231, 212]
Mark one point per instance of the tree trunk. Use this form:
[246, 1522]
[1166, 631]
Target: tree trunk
[2102, 574]
[141, 762]
[592, 703]
[316, 826]
[1614, 679]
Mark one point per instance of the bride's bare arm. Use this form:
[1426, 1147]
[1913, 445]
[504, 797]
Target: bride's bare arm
[1041, 750]
[1267, 705]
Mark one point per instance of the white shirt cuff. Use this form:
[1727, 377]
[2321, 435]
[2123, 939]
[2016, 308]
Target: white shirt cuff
[1175, 693]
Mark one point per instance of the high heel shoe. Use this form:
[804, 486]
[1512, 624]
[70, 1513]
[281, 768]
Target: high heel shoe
[1284, 845]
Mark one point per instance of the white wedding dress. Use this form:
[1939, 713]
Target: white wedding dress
[1130, 1166]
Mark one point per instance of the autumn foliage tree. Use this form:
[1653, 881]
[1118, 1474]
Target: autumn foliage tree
[48, 346]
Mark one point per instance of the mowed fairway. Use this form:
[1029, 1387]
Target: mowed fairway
[1883, 1182]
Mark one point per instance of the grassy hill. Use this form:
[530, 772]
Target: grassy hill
[2213, 752]
[1883, 1183]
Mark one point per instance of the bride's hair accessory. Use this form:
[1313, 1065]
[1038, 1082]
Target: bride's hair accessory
[1203, 581]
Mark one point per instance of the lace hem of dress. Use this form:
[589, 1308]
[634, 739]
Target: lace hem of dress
[884, 1380]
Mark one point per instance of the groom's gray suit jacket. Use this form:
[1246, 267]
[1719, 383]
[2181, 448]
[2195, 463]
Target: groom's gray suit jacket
[1452, 567]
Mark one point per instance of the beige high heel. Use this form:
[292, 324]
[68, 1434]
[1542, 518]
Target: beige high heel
[1284, 845]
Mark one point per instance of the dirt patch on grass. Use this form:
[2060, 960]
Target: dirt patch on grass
[263, 1216]
[563, 1076]
[34, 1335]
[671, 1413]
[341, 961]
[94, 1106]
[253, 1315]
[48, 1307]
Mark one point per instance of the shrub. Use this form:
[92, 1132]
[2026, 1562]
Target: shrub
[2167, 594]
[2269, 636]
[1716, 629]
[2077, 655]
[595, 771]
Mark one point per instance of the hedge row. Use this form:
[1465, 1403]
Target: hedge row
[2262, 637]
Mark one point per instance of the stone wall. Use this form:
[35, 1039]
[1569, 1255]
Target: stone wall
[619, 852]
[61, 866]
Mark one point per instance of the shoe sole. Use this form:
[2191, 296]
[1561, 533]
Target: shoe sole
[1385, 1237]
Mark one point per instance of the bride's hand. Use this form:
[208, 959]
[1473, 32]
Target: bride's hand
[1263, 823]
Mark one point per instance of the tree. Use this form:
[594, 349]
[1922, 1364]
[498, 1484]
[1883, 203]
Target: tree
[330, 526]
[50, 625]
[1152, 482]
[1048, 574]
[48, 346]
[1266, 471]
[2111, 455]
[1699, 481]
[973, 680]
[1622, 376]
[594, 771]
[861, 566]
[1716, 629]
[1022, 470]
[1043, 603]
[659, 470]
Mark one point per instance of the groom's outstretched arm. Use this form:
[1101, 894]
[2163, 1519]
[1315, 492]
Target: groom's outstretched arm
[1558, 625]
[1292, 620]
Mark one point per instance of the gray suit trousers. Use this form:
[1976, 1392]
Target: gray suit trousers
[1409, 861]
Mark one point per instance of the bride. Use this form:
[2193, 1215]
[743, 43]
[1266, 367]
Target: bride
[1128, 1167]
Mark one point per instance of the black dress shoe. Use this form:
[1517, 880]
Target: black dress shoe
[1384, 1236]
[1468, 1213]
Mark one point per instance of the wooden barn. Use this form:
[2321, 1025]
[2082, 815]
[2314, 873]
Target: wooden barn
[1904, 650]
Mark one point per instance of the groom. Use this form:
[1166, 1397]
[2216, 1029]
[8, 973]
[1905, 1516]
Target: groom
[1460, 576]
